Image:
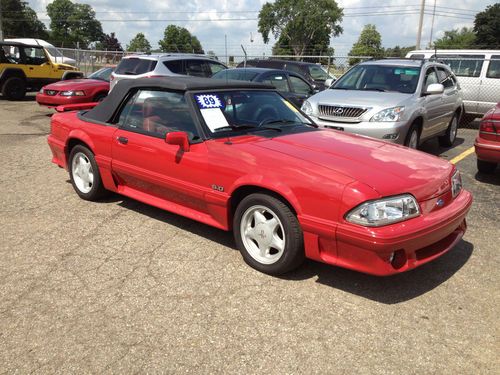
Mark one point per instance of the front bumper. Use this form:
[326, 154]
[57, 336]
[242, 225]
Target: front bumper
[390, 249]
[57, 100]
[394, 132]
[487, 150]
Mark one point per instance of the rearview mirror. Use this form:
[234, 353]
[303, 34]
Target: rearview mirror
[434, 88]
[178, 138]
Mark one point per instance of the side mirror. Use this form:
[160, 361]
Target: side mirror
[329, 82]
[434, 88]
[178, 138]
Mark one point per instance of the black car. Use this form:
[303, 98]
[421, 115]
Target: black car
[291, 85]
[313, 73]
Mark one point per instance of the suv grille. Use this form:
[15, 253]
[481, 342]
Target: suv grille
[338, 111]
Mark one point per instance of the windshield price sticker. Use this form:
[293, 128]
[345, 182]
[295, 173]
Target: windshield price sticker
[209, 101]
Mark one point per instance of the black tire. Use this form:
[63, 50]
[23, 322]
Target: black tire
[448, 139]
[14, 88]
[486, 166]
[413, 132]
[96, 189]
[293, 253]
[100, 97]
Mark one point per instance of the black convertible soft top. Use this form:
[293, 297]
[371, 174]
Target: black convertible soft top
[104, 111]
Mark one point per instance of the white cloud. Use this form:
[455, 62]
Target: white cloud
[397, 29]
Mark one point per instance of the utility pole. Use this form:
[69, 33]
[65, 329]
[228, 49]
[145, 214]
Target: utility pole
[419, 33]
[1, 30]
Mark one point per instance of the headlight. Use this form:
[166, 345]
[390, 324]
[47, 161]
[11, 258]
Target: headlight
[456, 183]
[72, 93]
[389, 115]
[41, 91]
[384, 211]
[307, 108]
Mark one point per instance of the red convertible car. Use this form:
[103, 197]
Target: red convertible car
[487, 143]
[85, 90]
[238, 156]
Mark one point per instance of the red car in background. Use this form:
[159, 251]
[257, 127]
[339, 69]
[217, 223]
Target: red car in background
[239, 156]
[487, 143]
[75, 91]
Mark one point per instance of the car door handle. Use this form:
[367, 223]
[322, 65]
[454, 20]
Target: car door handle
[122, 140]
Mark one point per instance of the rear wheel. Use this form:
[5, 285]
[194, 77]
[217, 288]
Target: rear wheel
[486, 166]
[449, 137]
[14, 88]
[268, 234]
[413, 137]
[84, 174]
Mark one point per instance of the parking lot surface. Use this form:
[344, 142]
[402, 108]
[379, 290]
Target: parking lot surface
[121, 287]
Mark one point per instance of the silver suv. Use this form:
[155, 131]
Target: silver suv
[400, 101]
[168, 64]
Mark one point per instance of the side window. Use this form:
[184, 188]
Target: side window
[157, 113]
[494, 67]
[34, 56]
[464, 65]
[300, 86]
[294, 68]
[430, 78]
[444, 78]
[215, 67]
[196, 68]
[175, 66]
[11, 54]
[279, 81]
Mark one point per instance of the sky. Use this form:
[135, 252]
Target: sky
[396, 21]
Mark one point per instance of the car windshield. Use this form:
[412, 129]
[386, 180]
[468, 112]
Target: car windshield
[402, 79]
[237, 74]
[248, 111]
[102, 74]
[318, 73]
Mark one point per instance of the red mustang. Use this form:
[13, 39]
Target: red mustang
[238, 156]
[487, 143]
[86, 90]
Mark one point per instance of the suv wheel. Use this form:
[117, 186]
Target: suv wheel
[449, 137]
[413, 137]
[14, 88]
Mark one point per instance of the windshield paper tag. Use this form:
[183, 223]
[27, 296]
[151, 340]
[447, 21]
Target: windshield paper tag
[214, 118]
[209, 101]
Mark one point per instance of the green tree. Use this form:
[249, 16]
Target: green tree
[110, 43]
[368, 44]
[139, 43]
[456, 38]
[398, 51]
[487, 27]
[19, 20]
[73, 24]
[300, 25]
[179, 39]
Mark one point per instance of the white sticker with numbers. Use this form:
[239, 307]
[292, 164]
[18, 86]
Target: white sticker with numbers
[208, 101]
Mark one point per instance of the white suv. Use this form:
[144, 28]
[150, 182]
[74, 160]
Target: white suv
[171, 64]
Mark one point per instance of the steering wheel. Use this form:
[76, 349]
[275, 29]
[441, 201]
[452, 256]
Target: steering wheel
[267, 114]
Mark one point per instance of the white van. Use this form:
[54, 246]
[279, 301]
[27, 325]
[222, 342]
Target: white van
[55, 55]
[478, 73]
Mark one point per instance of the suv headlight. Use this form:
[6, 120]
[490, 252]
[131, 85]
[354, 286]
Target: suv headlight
[72, 93]
[307, 108]
[389, 115]
[384, 211]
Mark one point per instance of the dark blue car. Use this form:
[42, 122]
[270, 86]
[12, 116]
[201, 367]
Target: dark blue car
[291, 85]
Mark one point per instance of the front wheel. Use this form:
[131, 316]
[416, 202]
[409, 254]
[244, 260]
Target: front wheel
[268, 234]
[412, 138]
[84, 174]
[449, 137]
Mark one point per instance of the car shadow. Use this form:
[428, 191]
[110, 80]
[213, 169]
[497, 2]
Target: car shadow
[490, 179]
[432, 146]
[391, 289]
[388, 290]
[27, 98]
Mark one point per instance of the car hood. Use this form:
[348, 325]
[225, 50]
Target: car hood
[360, 98]
[389, 169]
[75, 84]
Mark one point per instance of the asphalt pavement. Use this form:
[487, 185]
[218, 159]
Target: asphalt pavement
[121, 287]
